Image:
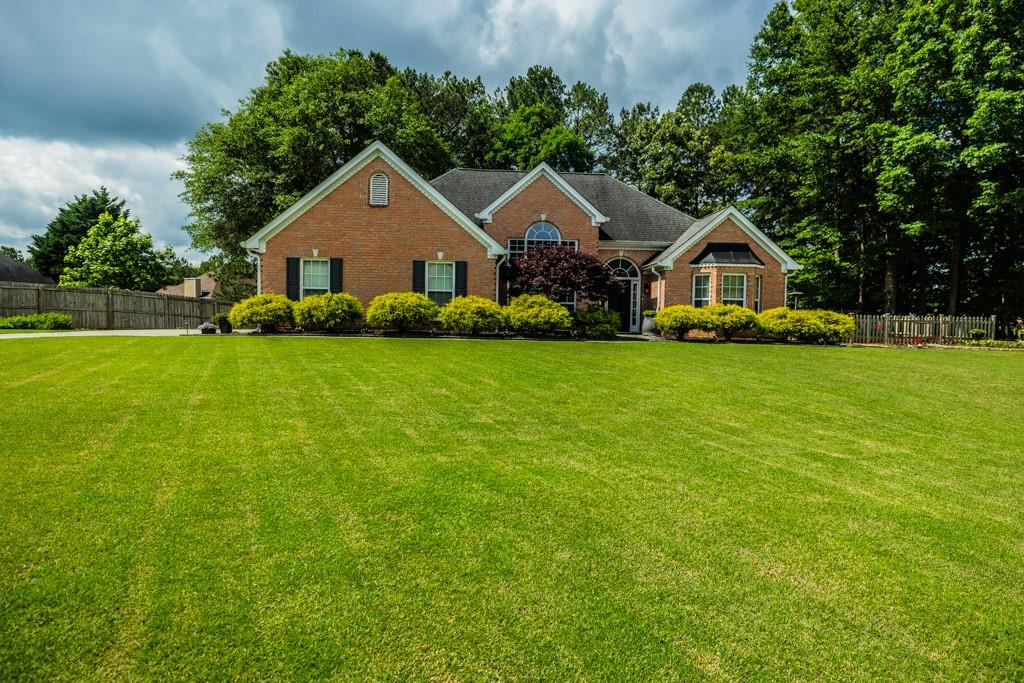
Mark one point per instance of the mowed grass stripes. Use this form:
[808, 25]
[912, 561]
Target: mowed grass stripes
[212, 508]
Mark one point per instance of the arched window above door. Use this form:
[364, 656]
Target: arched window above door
[623, 268]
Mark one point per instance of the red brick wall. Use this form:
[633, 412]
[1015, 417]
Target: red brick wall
[679, 280]
[542, 197]
[378, 244]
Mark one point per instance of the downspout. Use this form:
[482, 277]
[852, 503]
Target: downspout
[497, 278]
[661, 295]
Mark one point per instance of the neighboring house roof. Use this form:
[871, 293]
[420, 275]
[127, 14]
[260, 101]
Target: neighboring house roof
[702, 227]
[726, 254]
[258, 241]
[209, 286]
[16, 271]
[632, 216]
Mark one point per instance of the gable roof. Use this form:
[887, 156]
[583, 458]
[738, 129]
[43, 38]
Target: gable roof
[631, 215]
[702, 227]
[16, 271]
[258, 240]
[542, 169]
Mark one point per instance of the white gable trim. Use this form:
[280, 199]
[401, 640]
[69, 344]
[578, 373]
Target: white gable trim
[258, 241]
[596, 217]
[667, 259]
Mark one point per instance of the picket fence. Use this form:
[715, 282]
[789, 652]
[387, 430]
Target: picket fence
[108, 309]
[899, 330]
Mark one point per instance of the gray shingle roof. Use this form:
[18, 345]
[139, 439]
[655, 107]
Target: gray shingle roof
[16, 271]
[633, 215]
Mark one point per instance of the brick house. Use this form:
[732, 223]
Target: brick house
[377, 226]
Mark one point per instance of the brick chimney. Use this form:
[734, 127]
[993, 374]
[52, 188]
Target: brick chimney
[194, 287]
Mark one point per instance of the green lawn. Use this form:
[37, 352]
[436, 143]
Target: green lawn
[212, 508]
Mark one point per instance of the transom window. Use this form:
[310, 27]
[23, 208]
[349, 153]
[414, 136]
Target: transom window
[701, 289]
[734, 289]
[379, 190]
[440, 281]
[543, 232]
[623, 268]
[316, 277]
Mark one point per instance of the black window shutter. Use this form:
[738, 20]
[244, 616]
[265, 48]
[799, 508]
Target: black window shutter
[292, 270]
[419, 276]
[336, 273]
[460, 278]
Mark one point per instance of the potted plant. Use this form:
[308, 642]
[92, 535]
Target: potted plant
[221, 321]
[648, 326]
[207, 328]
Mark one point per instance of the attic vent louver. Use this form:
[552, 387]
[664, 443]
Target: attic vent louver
[378, 190]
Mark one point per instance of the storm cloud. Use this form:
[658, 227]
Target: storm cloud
[107, 92]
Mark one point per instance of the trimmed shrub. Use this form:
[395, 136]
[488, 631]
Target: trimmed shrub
[977, 333]
[265, 312]
[537, 314]
[725, 320]
[597, 323]
[814, 326]
[837, 326]
[472, 315]
[328, 312]
[775, 322]
[38, 321]
[680, 319]
[401, 311]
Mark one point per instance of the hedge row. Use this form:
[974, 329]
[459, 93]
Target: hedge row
[727, 320]
[528, 314]
[37, 321]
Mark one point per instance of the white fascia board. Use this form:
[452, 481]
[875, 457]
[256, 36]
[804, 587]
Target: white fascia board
[667, 261]
[258, 241]
[596, 217]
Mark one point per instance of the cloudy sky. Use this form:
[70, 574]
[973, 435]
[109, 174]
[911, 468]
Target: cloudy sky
[106, 92]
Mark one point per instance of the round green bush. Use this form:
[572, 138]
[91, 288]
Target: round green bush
[680, 319]
[401, 311]
[597, 323]
[813, 326]
[328, 312]
[472, 315]
[537, 314]
[837, 326]
[265, 312]
[776, 322]
[725, 320]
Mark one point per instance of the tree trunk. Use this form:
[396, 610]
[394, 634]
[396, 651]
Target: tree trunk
[956, 259]
[922, 279]
[891, 263]
[860, 272]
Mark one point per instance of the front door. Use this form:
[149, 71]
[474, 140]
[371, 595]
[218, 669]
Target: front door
[626, 301]
[620, 302]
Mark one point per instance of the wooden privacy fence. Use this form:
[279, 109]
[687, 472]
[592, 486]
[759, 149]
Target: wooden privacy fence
[108, 309]
[919, 329]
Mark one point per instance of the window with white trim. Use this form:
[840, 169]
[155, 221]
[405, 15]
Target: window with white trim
[701, 289]
[379, 190]
[734, 289]
[757, 293]
[440, 281]
[315, 277]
